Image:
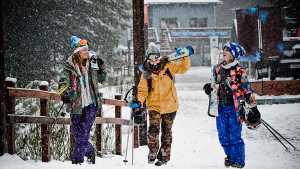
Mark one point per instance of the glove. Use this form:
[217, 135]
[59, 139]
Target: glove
[254, 115]
[100, 63]
[187, 51]
[247, 97]
[207, 88]
[135, 105]
[241, 111]
[179, 51]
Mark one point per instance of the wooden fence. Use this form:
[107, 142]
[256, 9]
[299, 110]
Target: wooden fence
[44, 120]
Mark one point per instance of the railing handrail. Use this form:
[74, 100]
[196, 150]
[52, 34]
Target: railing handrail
[169, 34]
[33, 93]
[45, 120]
[37, 93]
[156, 34]
[32, 119]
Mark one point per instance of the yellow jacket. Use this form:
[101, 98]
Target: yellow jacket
[163, 97]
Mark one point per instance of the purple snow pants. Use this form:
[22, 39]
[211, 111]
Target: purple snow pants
[81, 125]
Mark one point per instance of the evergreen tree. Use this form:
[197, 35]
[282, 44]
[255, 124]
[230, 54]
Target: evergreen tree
[37, 33]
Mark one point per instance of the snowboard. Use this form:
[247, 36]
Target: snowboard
[188, 50]
[213, 97]
[181, 52]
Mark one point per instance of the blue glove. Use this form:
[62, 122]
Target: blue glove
[179, 51]
[188, 51]
[135, 105]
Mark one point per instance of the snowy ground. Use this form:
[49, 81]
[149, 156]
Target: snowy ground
[195, 138]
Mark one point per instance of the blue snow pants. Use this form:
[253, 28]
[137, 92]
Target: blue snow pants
[81, 125]
[229, 133]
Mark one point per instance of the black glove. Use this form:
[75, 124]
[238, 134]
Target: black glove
[254, 115]
[241, 111]
[207, 88]
[247, 97]
[100, 63]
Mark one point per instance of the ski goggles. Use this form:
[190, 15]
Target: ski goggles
[153, 56]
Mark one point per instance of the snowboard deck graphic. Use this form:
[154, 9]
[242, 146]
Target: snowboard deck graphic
[213, 97]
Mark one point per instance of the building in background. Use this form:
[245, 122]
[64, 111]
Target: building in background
[205, 24]
[226, 12]
[176, 23]
[182, 13]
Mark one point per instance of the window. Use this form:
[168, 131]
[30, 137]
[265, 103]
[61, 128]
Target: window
[168, 23]
[198, 22]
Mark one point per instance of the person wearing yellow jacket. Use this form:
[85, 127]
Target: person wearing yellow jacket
[157, 89]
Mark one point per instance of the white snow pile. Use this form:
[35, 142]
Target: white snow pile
[44, 83]
[11, 79]
[13, 161]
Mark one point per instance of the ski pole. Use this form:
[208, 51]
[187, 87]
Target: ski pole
[279, 134]
[125, 159]
[132, 141]
[275, 136]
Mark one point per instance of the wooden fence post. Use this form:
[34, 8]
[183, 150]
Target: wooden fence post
[118, 128]
[98, 130]
[10, 109]
[44, 127]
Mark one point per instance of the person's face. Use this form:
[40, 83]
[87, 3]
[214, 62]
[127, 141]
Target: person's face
[227, 55]
[84, 55]
[154, 59]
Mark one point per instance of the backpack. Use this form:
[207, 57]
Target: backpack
[167, 72]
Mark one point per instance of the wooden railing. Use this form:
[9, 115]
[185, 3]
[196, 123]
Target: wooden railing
[44, 119]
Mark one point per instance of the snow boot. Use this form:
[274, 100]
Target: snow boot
[77, 161]
[91, 158]
[151, 158]
[227, 162]
[235, 165]
[160, 163]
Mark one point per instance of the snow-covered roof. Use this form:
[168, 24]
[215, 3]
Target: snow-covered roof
[181, 1]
